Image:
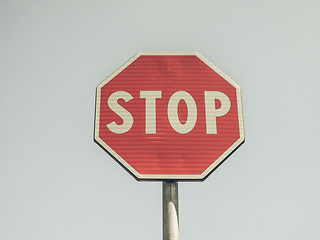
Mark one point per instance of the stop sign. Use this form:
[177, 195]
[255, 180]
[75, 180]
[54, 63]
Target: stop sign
[169, 115]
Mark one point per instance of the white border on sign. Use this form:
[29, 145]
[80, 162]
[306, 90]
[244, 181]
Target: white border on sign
[182, 177]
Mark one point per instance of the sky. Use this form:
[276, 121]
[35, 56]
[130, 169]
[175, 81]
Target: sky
[56, 183]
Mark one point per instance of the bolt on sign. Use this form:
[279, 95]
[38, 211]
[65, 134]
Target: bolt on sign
[169, 115]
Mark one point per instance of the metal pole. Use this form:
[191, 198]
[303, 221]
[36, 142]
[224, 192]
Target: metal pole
[170, 210]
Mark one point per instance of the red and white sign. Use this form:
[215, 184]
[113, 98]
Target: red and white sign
[169, 115]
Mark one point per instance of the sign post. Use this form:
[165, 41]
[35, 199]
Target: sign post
[170, 210]
[169, 116]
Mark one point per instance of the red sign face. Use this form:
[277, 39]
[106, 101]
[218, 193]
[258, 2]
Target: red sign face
[167, 115]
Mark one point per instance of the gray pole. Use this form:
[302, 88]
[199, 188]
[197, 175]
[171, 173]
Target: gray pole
[170, 210]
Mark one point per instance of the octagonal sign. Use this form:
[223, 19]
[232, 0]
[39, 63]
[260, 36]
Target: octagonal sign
[169, 115]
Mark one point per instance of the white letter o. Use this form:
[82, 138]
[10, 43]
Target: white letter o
[173, 112]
